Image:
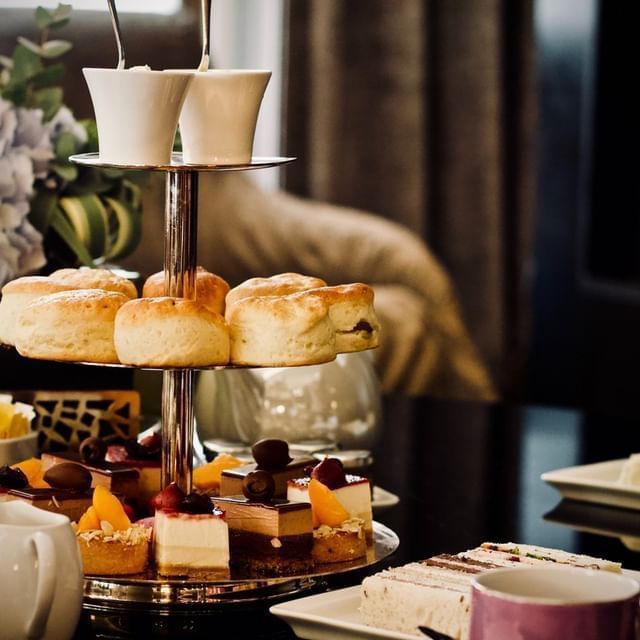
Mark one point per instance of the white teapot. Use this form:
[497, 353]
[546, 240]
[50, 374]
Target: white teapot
[40, 574]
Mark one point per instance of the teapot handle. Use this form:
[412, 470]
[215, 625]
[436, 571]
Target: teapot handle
[45, 585]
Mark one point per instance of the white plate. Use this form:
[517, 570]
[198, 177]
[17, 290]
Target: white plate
[383, 500]
[331, 616]
[595, 483]
[335, 616]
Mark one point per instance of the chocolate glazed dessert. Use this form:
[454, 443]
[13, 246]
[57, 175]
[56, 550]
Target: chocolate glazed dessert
[268, 536]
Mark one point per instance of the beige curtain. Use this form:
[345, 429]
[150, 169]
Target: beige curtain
[423, 111]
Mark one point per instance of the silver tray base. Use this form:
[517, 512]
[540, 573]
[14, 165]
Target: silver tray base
[152, 593]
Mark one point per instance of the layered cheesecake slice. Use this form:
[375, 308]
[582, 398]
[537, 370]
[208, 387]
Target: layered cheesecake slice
[352, 492]
[191, 536]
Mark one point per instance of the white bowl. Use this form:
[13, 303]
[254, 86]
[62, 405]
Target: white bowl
[14, 450]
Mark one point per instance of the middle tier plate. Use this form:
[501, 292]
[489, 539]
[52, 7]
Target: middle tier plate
[157, 593]
[177, 164]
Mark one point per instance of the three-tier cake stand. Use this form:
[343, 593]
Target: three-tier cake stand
[150, 591]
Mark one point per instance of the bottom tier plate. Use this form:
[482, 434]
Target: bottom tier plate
[153, 593]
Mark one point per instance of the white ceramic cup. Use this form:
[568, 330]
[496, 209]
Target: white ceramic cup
[553, 604]
[137, 113]
[40, 574]
[219, 116]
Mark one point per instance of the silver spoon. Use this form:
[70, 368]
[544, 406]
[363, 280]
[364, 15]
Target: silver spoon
[116, 30]
[206, 26]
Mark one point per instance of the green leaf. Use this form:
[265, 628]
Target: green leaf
[90, 221]
[60, 224]
[43, 18]
[49, 100]
[30, 45]
[51, 74]
[65, 146]
[25, 64]
[54, 48]
[128, 228]
[67, 171]
[89, 181]
[92, 135]
[61, 12]
[41, 210]
[15, 94]
[113, 174]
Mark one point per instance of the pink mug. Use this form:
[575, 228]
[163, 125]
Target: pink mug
[553, 603]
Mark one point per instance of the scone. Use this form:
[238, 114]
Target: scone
[281, 284]
[211, 289]
[86, 278]
[280, 331]
[170, 332]
[352, 313]
[73, 326]
[17, 294]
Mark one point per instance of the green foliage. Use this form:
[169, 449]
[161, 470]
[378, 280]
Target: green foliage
[94, 213]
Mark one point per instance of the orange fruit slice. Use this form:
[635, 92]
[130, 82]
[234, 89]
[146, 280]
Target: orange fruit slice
[208, 476]
[89, 520]
[109, 508]
[32, 468]
[325, 507]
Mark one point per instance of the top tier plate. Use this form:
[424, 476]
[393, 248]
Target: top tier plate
[177, 164]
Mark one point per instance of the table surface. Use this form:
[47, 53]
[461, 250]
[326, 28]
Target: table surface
[465, 473]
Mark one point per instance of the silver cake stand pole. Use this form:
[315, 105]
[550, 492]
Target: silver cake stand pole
[180, 254]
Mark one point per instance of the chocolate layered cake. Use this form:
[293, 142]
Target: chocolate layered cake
[272, 455]
[71, 503]
[67, 492]
[268, 538]
[436, 592]
[117, 477]
[145, 457]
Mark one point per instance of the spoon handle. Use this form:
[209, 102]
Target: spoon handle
[116, 30]
[433, 634]
[206, 26]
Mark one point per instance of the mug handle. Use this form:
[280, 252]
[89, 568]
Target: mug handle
[45, 585]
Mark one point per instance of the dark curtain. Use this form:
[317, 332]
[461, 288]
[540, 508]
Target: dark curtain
[423, 111]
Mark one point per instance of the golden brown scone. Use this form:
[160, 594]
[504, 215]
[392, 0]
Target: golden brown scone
[281, 284]
[279, 331]
[17, 294]
[352, 313]
[70, 325]
[211, 289]
[85, 278]
[170, 332]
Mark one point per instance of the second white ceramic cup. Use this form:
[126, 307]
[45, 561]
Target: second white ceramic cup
[137, 113]
[219, 115]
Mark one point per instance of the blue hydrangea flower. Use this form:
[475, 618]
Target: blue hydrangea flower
[25, 150]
